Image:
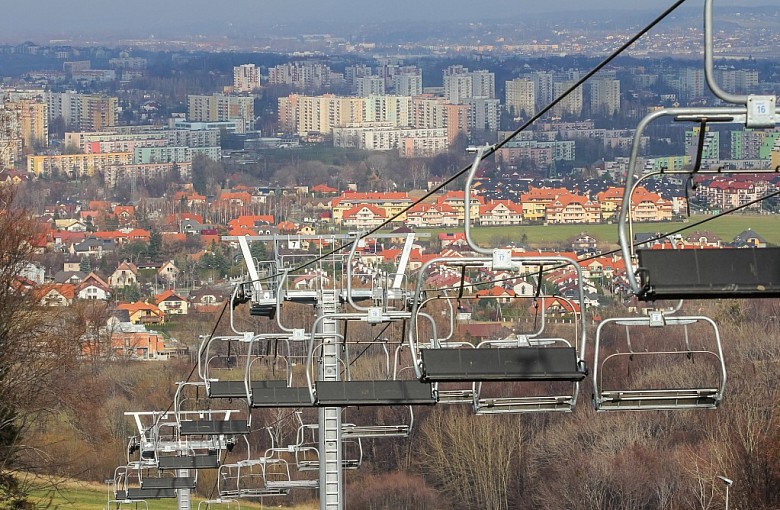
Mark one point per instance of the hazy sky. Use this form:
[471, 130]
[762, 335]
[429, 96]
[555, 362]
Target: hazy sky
[44, 19]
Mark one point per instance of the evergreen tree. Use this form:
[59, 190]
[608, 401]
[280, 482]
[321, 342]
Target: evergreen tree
[155, 246]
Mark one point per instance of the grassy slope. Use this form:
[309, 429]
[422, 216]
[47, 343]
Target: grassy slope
[90, 496]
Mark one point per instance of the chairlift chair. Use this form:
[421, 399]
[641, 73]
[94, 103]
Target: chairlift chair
[306, 447]
[691, 344]
[204, 423]
[266, 392]
[527, 358]
[219, 504]
[702, 274]
[376, 392]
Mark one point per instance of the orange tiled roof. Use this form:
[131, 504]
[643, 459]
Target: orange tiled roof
[377, 211]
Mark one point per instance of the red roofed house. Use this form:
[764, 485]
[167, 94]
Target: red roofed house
[172, 303]
[134, 342]
[125, 215]
[497, 292]
[125, 275]
[364, 217]
[568, 208]
[457, 200]
[392, 203]
[139, 234]
[610, 199]
[501, 212]
[55, 294]
[648, 206]
[189, 198]
[323, 189]
[93, 287]
[558, 307]
[143, 313]
[432, 215]
[535, 202]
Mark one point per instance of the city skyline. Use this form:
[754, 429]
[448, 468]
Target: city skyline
[144, 18]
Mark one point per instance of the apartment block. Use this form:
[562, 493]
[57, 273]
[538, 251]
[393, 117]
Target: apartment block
[221, 107]
[521, 97]
[605, 96]
[320, 114]
[397, 110]
[571, 104]
[10, 137]
[307, 76]
[97, 112]
[430, 112]
[76, 165]
[369, 86]
[408, 83]
[246, 78]
[409, 142]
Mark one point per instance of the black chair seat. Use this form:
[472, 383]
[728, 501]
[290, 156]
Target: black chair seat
[366, 393]
[709, 274]
[208, 461]
[213, 427]
[502, 364]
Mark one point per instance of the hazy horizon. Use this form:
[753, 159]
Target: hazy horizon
[43, 20]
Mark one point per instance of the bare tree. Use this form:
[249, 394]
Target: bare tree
[475, 460]
[34, 347]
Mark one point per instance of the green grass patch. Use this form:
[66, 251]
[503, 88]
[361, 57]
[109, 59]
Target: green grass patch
[73, 495]
[557, 236]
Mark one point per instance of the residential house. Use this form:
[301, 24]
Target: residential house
[457, 200]
[172, 303]
[134, 341]
[703, 238]
[125, 275]
[93, 247]
[559, 307]
[524, 289]
[93, 287]
[71, 264]
[453, 240]
[70, 224]
[125, 215]
[33, 272]
[312, 280]
[497, 293]
[189, 198]
[749, 239]
[72, 277]
[323, 189]
[501, 212]
[143, 313]
[391, 203]
[536, 200]
[610, 200]
[364, 217]
[168, 271]
[432, 216]
[568, 208]
[306, 230]
[55, 294]
[584, 243]
[138, 235]
[208, 299]
[648, 206]
[287, 227]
